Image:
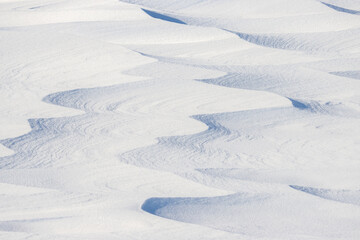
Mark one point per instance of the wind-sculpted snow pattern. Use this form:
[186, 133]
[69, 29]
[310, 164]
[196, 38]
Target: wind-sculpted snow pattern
[192, 119]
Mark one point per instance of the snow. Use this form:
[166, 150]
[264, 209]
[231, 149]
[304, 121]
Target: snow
[194, 119]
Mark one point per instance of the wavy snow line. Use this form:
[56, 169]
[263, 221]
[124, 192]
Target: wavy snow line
[340, 9]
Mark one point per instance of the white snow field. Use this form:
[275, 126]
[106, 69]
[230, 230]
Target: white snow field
[180, 119]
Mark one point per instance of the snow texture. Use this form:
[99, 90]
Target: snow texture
[180, 119]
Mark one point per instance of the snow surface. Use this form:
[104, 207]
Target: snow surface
[180, 119]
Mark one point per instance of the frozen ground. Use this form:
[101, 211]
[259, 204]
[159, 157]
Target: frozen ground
[180, 119]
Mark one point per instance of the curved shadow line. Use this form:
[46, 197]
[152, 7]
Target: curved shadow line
[340, 9]
[162, 16]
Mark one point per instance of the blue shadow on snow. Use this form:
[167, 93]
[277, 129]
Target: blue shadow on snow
[162, 17]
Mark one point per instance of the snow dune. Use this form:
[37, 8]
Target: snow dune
[257, 213]
[194, 119]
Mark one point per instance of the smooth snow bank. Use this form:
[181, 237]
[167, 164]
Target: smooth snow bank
[27, 13]
[255, 214]
[257, 16]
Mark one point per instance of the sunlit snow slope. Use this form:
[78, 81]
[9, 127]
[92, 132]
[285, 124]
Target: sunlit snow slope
[180, 119]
